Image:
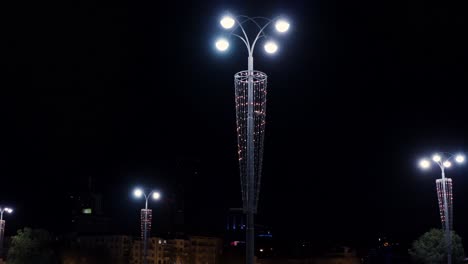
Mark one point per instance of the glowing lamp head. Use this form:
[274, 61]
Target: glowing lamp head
[222, 44]
[9, 210]
[424, 164]
[282, 25]
[460, 158]
[138, 193]
[227, 22]
[436, 157]
[156, 195]
[271, 47]
[447, 164]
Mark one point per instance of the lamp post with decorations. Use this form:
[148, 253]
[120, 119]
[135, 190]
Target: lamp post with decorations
[444, 193]
[2, 227]
[146, 217]
[250, 99]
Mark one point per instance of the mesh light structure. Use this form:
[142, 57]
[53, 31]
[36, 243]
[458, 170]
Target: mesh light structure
[241, 83]
[146, 219]
[440, 195]
[250, 98]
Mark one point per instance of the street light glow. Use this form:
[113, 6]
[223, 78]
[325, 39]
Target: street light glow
[222, 44]
[424, 164]
[282, 26]
[156, 195]
[227, 22]
[436, 158]
[271, 47]
[9, 210]
[460, 158]
[138, 193]
[447, 164]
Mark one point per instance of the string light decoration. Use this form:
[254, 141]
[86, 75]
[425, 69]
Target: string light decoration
[146, 218]
[440, 196]
[241, 84]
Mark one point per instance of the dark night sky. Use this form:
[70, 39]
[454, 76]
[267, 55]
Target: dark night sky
[133, 92]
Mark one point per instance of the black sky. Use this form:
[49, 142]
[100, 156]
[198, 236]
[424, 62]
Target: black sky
[133, 92]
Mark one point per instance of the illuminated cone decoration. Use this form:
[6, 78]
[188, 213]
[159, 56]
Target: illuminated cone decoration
[259, 90]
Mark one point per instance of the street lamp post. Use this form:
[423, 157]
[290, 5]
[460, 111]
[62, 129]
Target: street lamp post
[445, 187]
[2, 227]
[251, 112]
[138, 193]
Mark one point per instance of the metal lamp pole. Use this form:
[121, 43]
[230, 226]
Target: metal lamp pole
[2, 227]
[448, 235]
[443, 163]
[155, 195]
[251, 168]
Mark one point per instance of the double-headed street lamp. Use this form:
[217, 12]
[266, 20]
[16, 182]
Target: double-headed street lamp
[250, 92]
[444, 193]
[2, 227]
[146, 217]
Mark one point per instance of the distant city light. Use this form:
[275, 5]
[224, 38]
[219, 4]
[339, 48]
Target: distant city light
[460, 158]
[222, 44]
[436, 158]
[261, 250]
[282, 26]
[271, 47]
[87, 211]
[423, 164]
[227, 22]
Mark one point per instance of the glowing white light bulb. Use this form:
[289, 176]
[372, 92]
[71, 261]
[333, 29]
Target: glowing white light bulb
[436, 158]
[460, 158]
[447, 164]
[138, 193]
[156, 196]
[271, 47]
[424, 164]
[227, 22]
[222, 44]
[282, 26]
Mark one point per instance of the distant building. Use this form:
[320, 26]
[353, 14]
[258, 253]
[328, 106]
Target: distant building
[118, 247]
[87, 214]
[235, 233]
[205, 250]
[157, 253]
[235, 227]
[194, 250]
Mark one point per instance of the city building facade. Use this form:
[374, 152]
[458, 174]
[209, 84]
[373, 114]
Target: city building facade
[192, 250]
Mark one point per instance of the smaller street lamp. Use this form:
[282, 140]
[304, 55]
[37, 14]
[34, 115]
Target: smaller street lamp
[139, 193]
[444, 162]
[2, 227]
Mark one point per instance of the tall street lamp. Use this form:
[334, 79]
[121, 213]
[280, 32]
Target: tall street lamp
[250, 97]
[2, 227]
[146, 215]
[444, 193]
